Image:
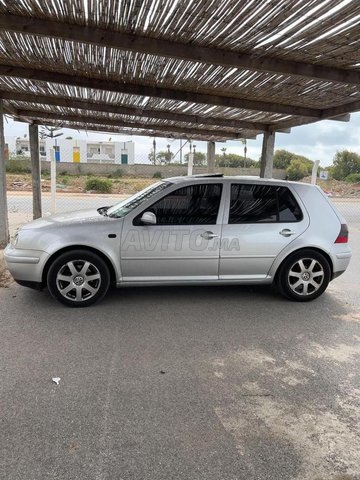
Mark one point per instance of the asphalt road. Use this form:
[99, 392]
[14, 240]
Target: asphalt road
[182, 383]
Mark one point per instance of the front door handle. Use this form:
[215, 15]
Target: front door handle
[287, 232]
[208, 235]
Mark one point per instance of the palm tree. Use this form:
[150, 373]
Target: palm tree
[243, 141]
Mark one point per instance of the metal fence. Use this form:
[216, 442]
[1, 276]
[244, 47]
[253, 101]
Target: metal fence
[92, 185]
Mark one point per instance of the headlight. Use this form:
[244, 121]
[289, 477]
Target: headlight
[15, 239]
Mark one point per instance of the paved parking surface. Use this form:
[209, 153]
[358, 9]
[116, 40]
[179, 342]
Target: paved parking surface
[182, 383]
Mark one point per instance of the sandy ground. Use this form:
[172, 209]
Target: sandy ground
[5, 277]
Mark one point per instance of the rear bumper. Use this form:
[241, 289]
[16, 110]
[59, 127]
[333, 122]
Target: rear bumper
[341, 261]
[25, 265]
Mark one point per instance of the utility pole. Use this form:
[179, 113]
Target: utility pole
[154, 145]
[191, 160]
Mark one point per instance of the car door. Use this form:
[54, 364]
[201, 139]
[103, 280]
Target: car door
[183, 245]
[261, 220]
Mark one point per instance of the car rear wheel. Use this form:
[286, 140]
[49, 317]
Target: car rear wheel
[304, 276]
[78, 278]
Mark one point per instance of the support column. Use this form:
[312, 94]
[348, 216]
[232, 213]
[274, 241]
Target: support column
[266, 166]
[35, 170]
[4, 221]
[211, 157]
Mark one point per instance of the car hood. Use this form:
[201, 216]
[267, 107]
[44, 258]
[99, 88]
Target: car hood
[68, 218]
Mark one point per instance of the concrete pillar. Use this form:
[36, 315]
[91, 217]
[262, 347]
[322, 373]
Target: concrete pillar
[4, 221]
[211, 157]
[35, 170]
[266, 166]
[314, 172]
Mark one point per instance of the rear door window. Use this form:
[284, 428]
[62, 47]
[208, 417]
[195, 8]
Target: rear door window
[262, 204]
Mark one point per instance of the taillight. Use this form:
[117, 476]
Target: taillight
[343, 236]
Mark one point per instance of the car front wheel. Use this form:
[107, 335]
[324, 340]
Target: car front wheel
[304, 276]
[78, 278]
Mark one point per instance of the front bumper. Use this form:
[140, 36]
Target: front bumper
[25, 265]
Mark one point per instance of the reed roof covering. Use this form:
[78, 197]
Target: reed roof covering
[204, 69]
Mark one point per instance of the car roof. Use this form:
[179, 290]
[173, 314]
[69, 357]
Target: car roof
[218, 177]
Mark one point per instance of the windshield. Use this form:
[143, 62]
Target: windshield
[128, 205]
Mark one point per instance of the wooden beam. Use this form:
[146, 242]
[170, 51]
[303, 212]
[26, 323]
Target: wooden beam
[267, 153]
[183, 51]
[119, 131]
[8, 108]
[341, 118]
[161, 92]
[35, 169]
[119, 123]
[211, 157]
[296, 122]
[341, 109]
[127, 110]
[4, 222]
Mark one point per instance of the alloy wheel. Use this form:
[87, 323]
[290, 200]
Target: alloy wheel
[78, 280]
[306, 276]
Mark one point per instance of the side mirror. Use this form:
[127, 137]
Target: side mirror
[148, 218]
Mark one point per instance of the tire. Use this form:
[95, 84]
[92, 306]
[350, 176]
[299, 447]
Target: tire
[78, 278]
[304, 276]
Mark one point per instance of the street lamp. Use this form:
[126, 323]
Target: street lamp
[154, 145]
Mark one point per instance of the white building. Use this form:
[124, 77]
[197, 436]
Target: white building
[22, 147]
[81, 151]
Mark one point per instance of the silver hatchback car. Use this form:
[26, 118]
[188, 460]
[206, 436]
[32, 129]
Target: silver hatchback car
[188, 231]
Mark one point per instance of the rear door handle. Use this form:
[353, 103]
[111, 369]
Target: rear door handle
[208, 235]
[287, 232]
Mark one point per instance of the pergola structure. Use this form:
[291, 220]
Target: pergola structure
[202, 69]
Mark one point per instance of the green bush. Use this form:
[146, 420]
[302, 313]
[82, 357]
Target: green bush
[345, 164]
[117, 174]
[14, 166]
[102, 185]
[296, 170]
[353, 178]
[282, 159]
[157, 175]
[64, 179]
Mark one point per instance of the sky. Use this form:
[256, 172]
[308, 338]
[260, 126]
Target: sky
[318, 141]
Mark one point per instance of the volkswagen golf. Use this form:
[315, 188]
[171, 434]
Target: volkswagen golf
[199, 230]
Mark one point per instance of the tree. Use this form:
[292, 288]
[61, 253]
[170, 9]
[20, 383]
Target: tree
[151, 157]
[233, 160]
[50, 132]
[283, 158]
[297, 170]
[244, 142]
[199, 159]
[345, 163]
[164, 157]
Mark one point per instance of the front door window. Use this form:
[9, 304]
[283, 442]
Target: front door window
[191, 205]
